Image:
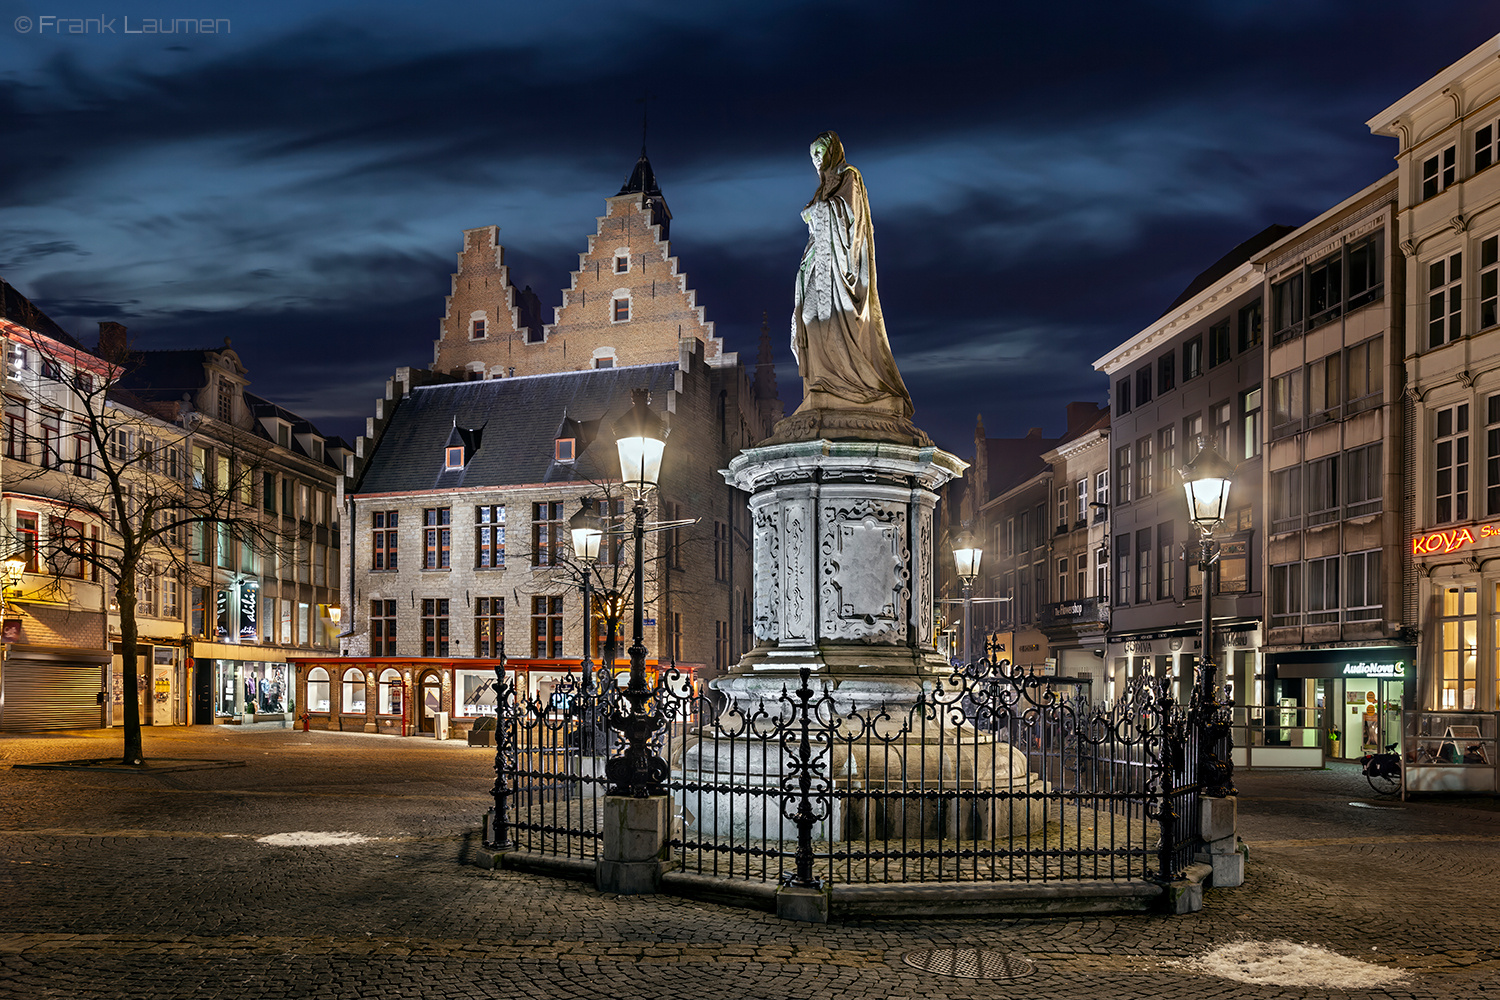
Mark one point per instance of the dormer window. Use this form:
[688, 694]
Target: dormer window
[226, 400]
[283, 435]
[455, 458]
[565, 449]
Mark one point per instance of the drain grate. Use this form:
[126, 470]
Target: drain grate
[969, 963]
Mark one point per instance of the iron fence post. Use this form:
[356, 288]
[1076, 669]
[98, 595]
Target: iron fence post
[802, 766]
[500, 829]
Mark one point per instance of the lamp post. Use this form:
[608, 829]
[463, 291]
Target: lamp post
[640, 439]
[588, 532]
[1206, 480]
[14, 568]
[966, 556]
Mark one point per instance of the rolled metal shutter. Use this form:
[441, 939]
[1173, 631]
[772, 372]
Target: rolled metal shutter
[41, 695]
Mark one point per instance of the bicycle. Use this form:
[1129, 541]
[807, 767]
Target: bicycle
[1383, 770]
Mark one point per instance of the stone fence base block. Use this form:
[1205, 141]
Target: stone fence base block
[1227, 857]
[634, 851]
[1218, 817]
[1186, 894]
[810, 906]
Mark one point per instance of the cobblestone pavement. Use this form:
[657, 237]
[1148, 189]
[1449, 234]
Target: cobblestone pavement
[152, 885]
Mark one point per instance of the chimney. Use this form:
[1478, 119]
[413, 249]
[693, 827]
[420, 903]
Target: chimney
[1081, 414]
[111, 341]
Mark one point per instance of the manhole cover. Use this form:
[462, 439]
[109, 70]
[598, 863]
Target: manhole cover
[969, 963]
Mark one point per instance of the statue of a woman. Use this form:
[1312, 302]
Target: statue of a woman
[838, 333]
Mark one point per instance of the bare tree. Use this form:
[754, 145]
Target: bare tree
[126, 491]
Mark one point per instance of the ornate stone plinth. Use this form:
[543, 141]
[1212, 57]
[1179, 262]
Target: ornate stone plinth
[843, 564]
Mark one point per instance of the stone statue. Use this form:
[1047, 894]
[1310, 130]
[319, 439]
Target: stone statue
[838, 333]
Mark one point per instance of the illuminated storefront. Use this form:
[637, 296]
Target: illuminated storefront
[1345, 701]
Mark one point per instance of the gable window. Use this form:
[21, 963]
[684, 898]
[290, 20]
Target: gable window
[476, 328]
[1439, 172]
[384, 540]
[604, 362]
[1444, 300]
[489, 536]
[226, 400]
[454, 458]
[563, 449]
[620, 310]
[1192, 358]
[437, 538]
[1166, 373]
[622, 263]
[1451, 451]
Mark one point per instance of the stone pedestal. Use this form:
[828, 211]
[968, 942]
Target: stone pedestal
[634, 852]
[1223, 849]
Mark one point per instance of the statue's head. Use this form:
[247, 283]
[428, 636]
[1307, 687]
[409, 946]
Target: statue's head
[827, 151]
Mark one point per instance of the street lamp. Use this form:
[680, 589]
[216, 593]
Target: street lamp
[1206, 480]
[966, 556]
[641, 440]
[588, 532]
[15, 568]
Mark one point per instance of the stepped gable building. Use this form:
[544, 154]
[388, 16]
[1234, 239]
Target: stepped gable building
[627, 304]
[457, 500]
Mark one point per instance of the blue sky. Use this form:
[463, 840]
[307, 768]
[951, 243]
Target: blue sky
[1044, 178]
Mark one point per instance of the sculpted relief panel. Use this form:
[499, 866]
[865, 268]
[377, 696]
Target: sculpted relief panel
[864, 577]
[767, 587]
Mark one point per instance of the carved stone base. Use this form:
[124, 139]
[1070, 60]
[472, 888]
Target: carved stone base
[847, 425]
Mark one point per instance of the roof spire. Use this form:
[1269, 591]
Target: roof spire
[642, 179]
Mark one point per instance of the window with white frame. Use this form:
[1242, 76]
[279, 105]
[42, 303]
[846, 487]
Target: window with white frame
[1492, 455]
[1143, 559]
[1101, 572]
[1123, 467]
[1081, 489]
[1166, 561]
[1062, 580]
[1166, 458]
[1143, 466]
[1445, 300]
[1101, 495]
[1439, 171]
[622, 261]
[354, 692]
[1451, 461]
[1250, 422]
[1458, 647]
[1122, 569]
[1486, 145]
[477, 329]
[1064, 504]
[1489, 282]
[620, 309]
[1362, 586]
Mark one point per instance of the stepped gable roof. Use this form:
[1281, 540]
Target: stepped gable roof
[521, 418]
[642, 179]
[1231, 260]
[19, 309]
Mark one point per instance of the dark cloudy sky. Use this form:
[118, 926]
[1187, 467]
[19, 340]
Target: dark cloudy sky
[1045, 178]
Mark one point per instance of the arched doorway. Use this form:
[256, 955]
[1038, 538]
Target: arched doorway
[430, 701]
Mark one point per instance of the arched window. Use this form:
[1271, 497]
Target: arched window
[354, 692]
[390, 692]
[317, 690]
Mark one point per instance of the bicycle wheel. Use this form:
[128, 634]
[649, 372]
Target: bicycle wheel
[1384, 782]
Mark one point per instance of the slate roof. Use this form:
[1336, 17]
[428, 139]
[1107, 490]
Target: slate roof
[518, 419]
[19, 309]
[1231, 260]
[164, 375]
[642, 179]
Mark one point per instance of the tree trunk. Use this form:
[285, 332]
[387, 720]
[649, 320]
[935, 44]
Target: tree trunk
[134, 753]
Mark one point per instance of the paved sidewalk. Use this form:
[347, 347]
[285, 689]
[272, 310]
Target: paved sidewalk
[154, 885]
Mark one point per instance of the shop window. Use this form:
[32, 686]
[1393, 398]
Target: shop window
[317, 688]
[475, 693]
[1458, 641]
[390, 700]
[353, 702]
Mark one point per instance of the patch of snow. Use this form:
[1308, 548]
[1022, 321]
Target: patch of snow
[1282, 963]
[308, 838]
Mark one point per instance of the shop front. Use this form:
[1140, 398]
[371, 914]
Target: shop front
[242, 684]
[417, 696]
[1173, 652]
[1356, 696]
[44, 687]
[161, 686]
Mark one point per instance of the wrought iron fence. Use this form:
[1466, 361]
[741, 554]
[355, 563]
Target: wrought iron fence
[983, 775]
